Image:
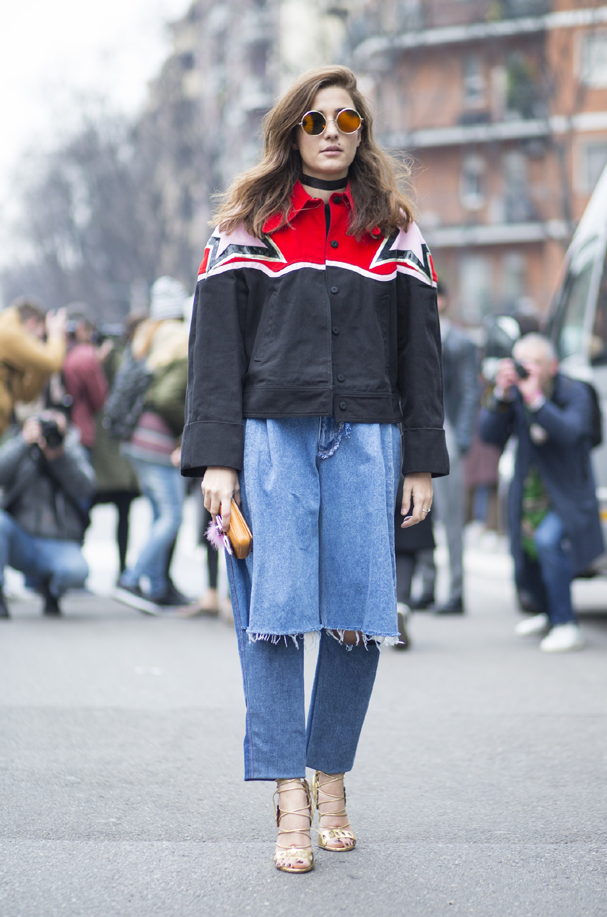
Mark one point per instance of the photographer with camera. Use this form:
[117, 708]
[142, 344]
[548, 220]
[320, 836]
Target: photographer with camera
[46, 480]
[553, 515]
[32, 348]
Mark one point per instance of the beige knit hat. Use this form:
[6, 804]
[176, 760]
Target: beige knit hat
[167, 299]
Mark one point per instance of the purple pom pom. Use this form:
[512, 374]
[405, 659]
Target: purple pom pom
[217, 537]
[214, 535]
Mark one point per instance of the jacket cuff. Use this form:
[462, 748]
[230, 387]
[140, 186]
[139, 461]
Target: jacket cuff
[211, 444]
[425, 451]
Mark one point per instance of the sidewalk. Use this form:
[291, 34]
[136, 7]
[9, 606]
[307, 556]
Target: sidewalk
[478, 791]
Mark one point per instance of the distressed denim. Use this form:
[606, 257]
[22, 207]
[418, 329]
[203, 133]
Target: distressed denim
[60, 563]
[164, 487]
[549, 578]
[319, 497]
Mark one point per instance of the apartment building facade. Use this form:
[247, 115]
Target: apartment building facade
[230, 60]
[503, 108]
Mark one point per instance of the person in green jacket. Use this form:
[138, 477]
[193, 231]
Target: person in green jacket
[116, 479]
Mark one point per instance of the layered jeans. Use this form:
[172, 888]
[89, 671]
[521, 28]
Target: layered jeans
[320, 500]
[59, 563]
[548, 579]
[164, 488]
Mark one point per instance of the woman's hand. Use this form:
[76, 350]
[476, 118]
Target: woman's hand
[417, 489]
[218, 486]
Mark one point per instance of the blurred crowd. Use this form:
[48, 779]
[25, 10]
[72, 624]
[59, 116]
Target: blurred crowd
[91, 415]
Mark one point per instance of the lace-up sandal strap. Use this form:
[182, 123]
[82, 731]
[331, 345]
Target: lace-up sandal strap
[293, 859]
[331, 797]
[335, 839]
[306, 810]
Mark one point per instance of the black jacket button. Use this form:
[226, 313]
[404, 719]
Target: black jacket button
[336, 331]
[335, 289]
[334, 244]
[342, 405]
[337, 199]
[341, 377]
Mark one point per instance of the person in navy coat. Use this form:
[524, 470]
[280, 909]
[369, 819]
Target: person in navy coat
[554, 523]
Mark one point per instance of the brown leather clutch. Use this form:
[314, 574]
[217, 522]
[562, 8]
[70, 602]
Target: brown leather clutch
[239, 533]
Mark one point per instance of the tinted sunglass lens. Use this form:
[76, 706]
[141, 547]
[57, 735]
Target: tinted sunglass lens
[313, 122]
[348, 121]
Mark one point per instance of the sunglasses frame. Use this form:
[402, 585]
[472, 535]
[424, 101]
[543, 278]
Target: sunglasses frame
[314, 111]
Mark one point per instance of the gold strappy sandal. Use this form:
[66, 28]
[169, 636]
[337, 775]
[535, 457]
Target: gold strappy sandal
[338, 840]
[293, 859]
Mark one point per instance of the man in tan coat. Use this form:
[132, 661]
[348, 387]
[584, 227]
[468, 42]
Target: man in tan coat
[26, 361]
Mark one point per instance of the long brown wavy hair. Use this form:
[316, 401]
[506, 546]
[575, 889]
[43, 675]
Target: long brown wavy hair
[378, 181]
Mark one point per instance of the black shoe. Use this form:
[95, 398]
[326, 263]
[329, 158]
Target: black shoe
[4, 612]
[173, 596]
[453, 606]
[51, 602]
[133, 596]
[404, 641]
[423, 603]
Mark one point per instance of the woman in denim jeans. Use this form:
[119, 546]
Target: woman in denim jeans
[314, 380]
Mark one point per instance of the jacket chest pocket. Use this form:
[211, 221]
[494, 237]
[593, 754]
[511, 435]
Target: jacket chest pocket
[265, 329]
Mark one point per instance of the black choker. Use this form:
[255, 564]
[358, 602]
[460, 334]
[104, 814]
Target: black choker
[323, 185]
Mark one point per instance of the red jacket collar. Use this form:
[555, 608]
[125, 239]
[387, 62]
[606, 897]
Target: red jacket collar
[301, 199]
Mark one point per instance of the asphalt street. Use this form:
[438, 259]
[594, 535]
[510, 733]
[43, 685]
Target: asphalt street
[479, 787]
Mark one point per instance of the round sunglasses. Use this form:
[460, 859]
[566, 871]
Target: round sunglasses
[314, 122]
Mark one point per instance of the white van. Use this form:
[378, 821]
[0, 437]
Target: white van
[577, 321]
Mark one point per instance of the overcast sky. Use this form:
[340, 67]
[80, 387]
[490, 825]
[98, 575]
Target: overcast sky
[52, 51]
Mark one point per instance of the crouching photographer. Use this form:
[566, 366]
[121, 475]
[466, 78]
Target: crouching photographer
[46, 480]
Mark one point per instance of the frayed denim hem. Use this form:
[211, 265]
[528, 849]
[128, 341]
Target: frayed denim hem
[275, 638]
[336, 632]
[361, 639]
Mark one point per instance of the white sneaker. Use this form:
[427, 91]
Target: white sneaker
[538, 624]
[562, 639]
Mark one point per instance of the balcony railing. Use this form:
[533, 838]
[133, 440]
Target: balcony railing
[432, 14]
[370, 36]
[481, 234]
[510, 129]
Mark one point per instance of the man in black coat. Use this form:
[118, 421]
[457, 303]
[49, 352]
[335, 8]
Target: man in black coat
[555, 529]
[46, 480]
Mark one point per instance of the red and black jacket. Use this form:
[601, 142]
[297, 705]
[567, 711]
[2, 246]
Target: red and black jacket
[306, 321]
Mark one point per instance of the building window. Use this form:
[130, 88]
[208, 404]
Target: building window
[513, 278]
[472, 189]
[474, 81]
[475, 288]
[592, 162]
[518, 207]
[522, 89]
[593, 59]
[572, 309]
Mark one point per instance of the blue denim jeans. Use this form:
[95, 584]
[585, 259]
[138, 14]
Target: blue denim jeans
[548, 579]
[319, 497]
[60, 563]
[277, 743]
[164, 488]
[320, 502]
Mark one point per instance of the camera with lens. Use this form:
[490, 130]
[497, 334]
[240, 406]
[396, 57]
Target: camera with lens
[52, 433]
